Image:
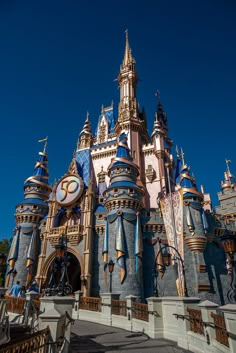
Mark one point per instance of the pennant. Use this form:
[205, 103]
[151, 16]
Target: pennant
[138, 248]
[120, 249]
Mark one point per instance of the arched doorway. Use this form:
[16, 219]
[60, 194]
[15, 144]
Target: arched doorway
[73, 270]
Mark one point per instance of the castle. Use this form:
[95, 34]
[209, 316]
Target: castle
[125, 198]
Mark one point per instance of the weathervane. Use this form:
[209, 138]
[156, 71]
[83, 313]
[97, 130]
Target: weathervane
[45, 143]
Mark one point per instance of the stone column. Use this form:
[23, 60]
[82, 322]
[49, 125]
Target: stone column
[207, 308]
[229, 311]
[106, 317]
[3, 291]
[130, 299]
[58, 311]
[75, 312]
[182, 304]
[30, 296]
[155, 317]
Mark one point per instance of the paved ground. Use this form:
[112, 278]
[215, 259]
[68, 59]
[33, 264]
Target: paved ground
[89, 337]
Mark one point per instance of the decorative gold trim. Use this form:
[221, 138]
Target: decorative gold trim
[196, 244]
[201, 268]
[203, 287]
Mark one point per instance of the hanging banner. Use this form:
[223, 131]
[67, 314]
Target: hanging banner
[172, 211]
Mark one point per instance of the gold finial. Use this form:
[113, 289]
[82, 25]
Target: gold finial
[177, 152]
[227, 161]
[157, 94]
[87, 117]
[45, 143]
[182, 155]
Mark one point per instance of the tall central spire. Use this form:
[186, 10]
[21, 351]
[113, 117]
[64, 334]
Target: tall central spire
[127, 78]
[128, 58]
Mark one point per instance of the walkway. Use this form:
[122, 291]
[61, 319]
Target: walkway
[88, 337]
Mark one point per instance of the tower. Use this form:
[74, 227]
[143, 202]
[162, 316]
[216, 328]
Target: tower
[23, 255]
[130, 120]
[123, 238]
[227, 198]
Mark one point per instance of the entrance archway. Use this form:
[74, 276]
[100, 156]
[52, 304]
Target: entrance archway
[74, 272]
[73, 269]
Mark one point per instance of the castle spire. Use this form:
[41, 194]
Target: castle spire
[85, 136]
[40, 177]
[128, 58]
[229, 179]
[188, 183]
[127, 78]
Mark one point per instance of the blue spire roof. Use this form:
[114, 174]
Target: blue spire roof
[123, 157]
[188, 184]
[39, 179]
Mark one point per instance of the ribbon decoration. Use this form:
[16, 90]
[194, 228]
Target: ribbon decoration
[138, 248]
[32, 254]
[120, 248]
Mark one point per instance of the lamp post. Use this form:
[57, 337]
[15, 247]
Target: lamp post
[3, 266]
[111, 265]
[166, 257]
[229, 244]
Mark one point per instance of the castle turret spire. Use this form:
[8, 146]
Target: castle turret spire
[128, 58]
[28, 216]
[127, 78]
[85, 137]
[229, 179]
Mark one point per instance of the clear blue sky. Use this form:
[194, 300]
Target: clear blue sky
[59, 59]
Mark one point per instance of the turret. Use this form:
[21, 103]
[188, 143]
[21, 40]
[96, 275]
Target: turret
[127, 78]
[83, 155]
[123, 241]
[229, 180]
[162, 145]
[85, 137]
[25, 247]
[194, 214]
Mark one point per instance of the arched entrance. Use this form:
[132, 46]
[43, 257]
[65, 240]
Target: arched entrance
[73, 269]
[74, 272]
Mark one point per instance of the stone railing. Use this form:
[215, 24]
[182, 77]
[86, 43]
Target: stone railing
[119, 307]
[193, 325]
[195, 319]
[140, 311]
[221, 331]
[37, 342]
[15, 305]
[90, 303]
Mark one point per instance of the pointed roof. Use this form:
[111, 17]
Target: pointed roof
[86, 130]
[123, 157]
[229, 178]
[40, 176]
[187, 182]
[128, 58]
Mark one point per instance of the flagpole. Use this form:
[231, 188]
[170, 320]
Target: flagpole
[167, 165]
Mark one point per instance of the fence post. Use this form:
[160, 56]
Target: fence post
[106, 316]
[56, 313]
[183, 324]
[130, 299]
[207, 308]
[2, 292]
[155, 317]
[229, 311]
[30, 296]
[75, 311]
